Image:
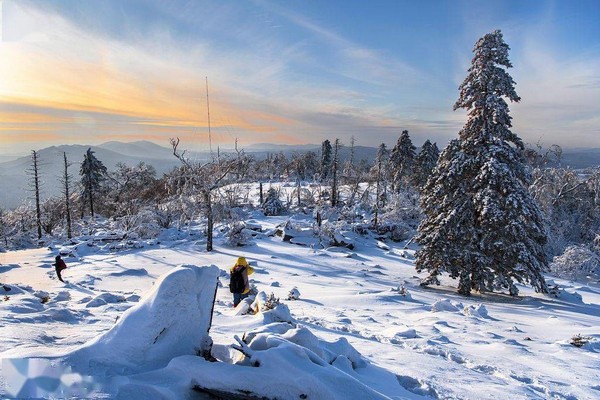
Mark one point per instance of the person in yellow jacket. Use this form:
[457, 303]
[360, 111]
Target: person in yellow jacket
[238, 283]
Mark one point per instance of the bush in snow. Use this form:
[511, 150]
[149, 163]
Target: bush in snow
[143, 224]
[272, 205]
[395, 231]
[402, 291]
[576, 262]
[238, 235]
[580, 341]
[264, 302]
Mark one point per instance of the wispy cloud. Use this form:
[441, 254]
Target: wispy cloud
[274, 75]
[130, 86]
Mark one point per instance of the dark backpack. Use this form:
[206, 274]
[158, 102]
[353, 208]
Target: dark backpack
[237, 283]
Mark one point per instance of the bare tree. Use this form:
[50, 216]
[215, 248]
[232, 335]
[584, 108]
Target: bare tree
[66, 182]
[201, 180]
[35, 186]
[335, 164]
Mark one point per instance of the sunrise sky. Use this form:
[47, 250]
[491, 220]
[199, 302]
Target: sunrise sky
[290, 72]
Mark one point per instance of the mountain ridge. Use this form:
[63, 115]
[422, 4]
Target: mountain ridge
[14, 180]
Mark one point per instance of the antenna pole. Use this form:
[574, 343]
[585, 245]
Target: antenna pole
[208, 110]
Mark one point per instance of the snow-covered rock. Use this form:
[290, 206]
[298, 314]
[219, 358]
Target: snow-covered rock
[170, 321]
[284, 363]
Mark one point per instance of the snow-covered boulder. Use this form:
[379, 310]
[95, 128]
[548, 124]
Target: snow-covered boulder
[171, 320]
[294, 294]
[283, 363]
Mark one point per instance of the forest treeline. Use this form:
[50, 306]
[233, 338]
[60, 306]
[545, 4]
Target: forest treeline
[383, 194]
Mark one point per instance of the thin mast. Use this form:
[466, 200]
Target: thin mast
[208, 110]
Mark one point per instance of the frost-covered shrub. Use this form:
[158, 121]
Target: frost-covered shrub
[395, 231]
[403, 207]
[165, 217]
[238, 235]
[272, 205]
[576, 262]
[580, 341]
[330, 234]
[144, 225]
[264, 302]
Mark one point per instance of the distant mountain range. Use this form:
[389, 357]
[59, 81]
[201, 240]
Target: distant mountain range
[15, 181]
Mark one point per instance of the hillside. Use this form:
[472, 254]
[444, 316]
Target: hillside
[361, 326]
[15, 180]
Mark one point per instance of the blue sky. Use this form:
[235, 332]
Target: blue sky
[286, 71]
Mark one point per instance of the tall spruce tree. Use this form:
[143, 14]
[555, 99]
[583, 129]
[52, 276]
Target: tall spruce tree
[402, 160]
[334, 177]
[481, 224]
[92, 172]
[424, 163]
[325, 158]
[379, 171]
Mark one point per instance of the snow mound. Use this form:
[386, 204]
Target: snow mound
[446, 305]
[564, 295]
[320, 369]
[171, 320]
[130, 272]
[294, 294]
[62, 296]
[476, 311]
[397, 334]
[10, 290]
[105, 298]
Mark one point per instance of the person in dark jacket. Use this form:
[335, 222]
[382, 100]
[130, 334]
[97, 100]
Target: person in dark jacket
[242, 266]
[59, 265]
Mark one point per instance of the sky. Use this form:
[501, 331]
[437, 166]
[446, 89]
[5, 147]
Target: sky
[287, 72]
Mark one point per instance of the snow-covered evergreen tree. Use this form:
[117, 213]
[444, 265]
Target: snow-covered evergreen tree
[481, 225]
[326, 150]
[402, 160]
[425, 162]
[92, 172]
[378, 172]
[272, 204]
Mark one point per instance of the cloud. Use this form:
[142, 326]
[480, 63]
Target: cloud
[560, 94]
[102, 86]
[84, 81]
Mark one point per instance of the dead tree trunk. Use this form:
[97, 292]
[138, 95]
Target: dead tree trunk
[66, 183]
[334, 184]
[36, 188]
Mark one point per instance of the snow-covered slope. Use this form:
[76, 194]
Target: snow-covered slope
[359, 313]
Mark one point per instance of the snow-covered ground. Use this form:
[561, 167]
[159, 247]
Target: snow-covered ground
[360, 328]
